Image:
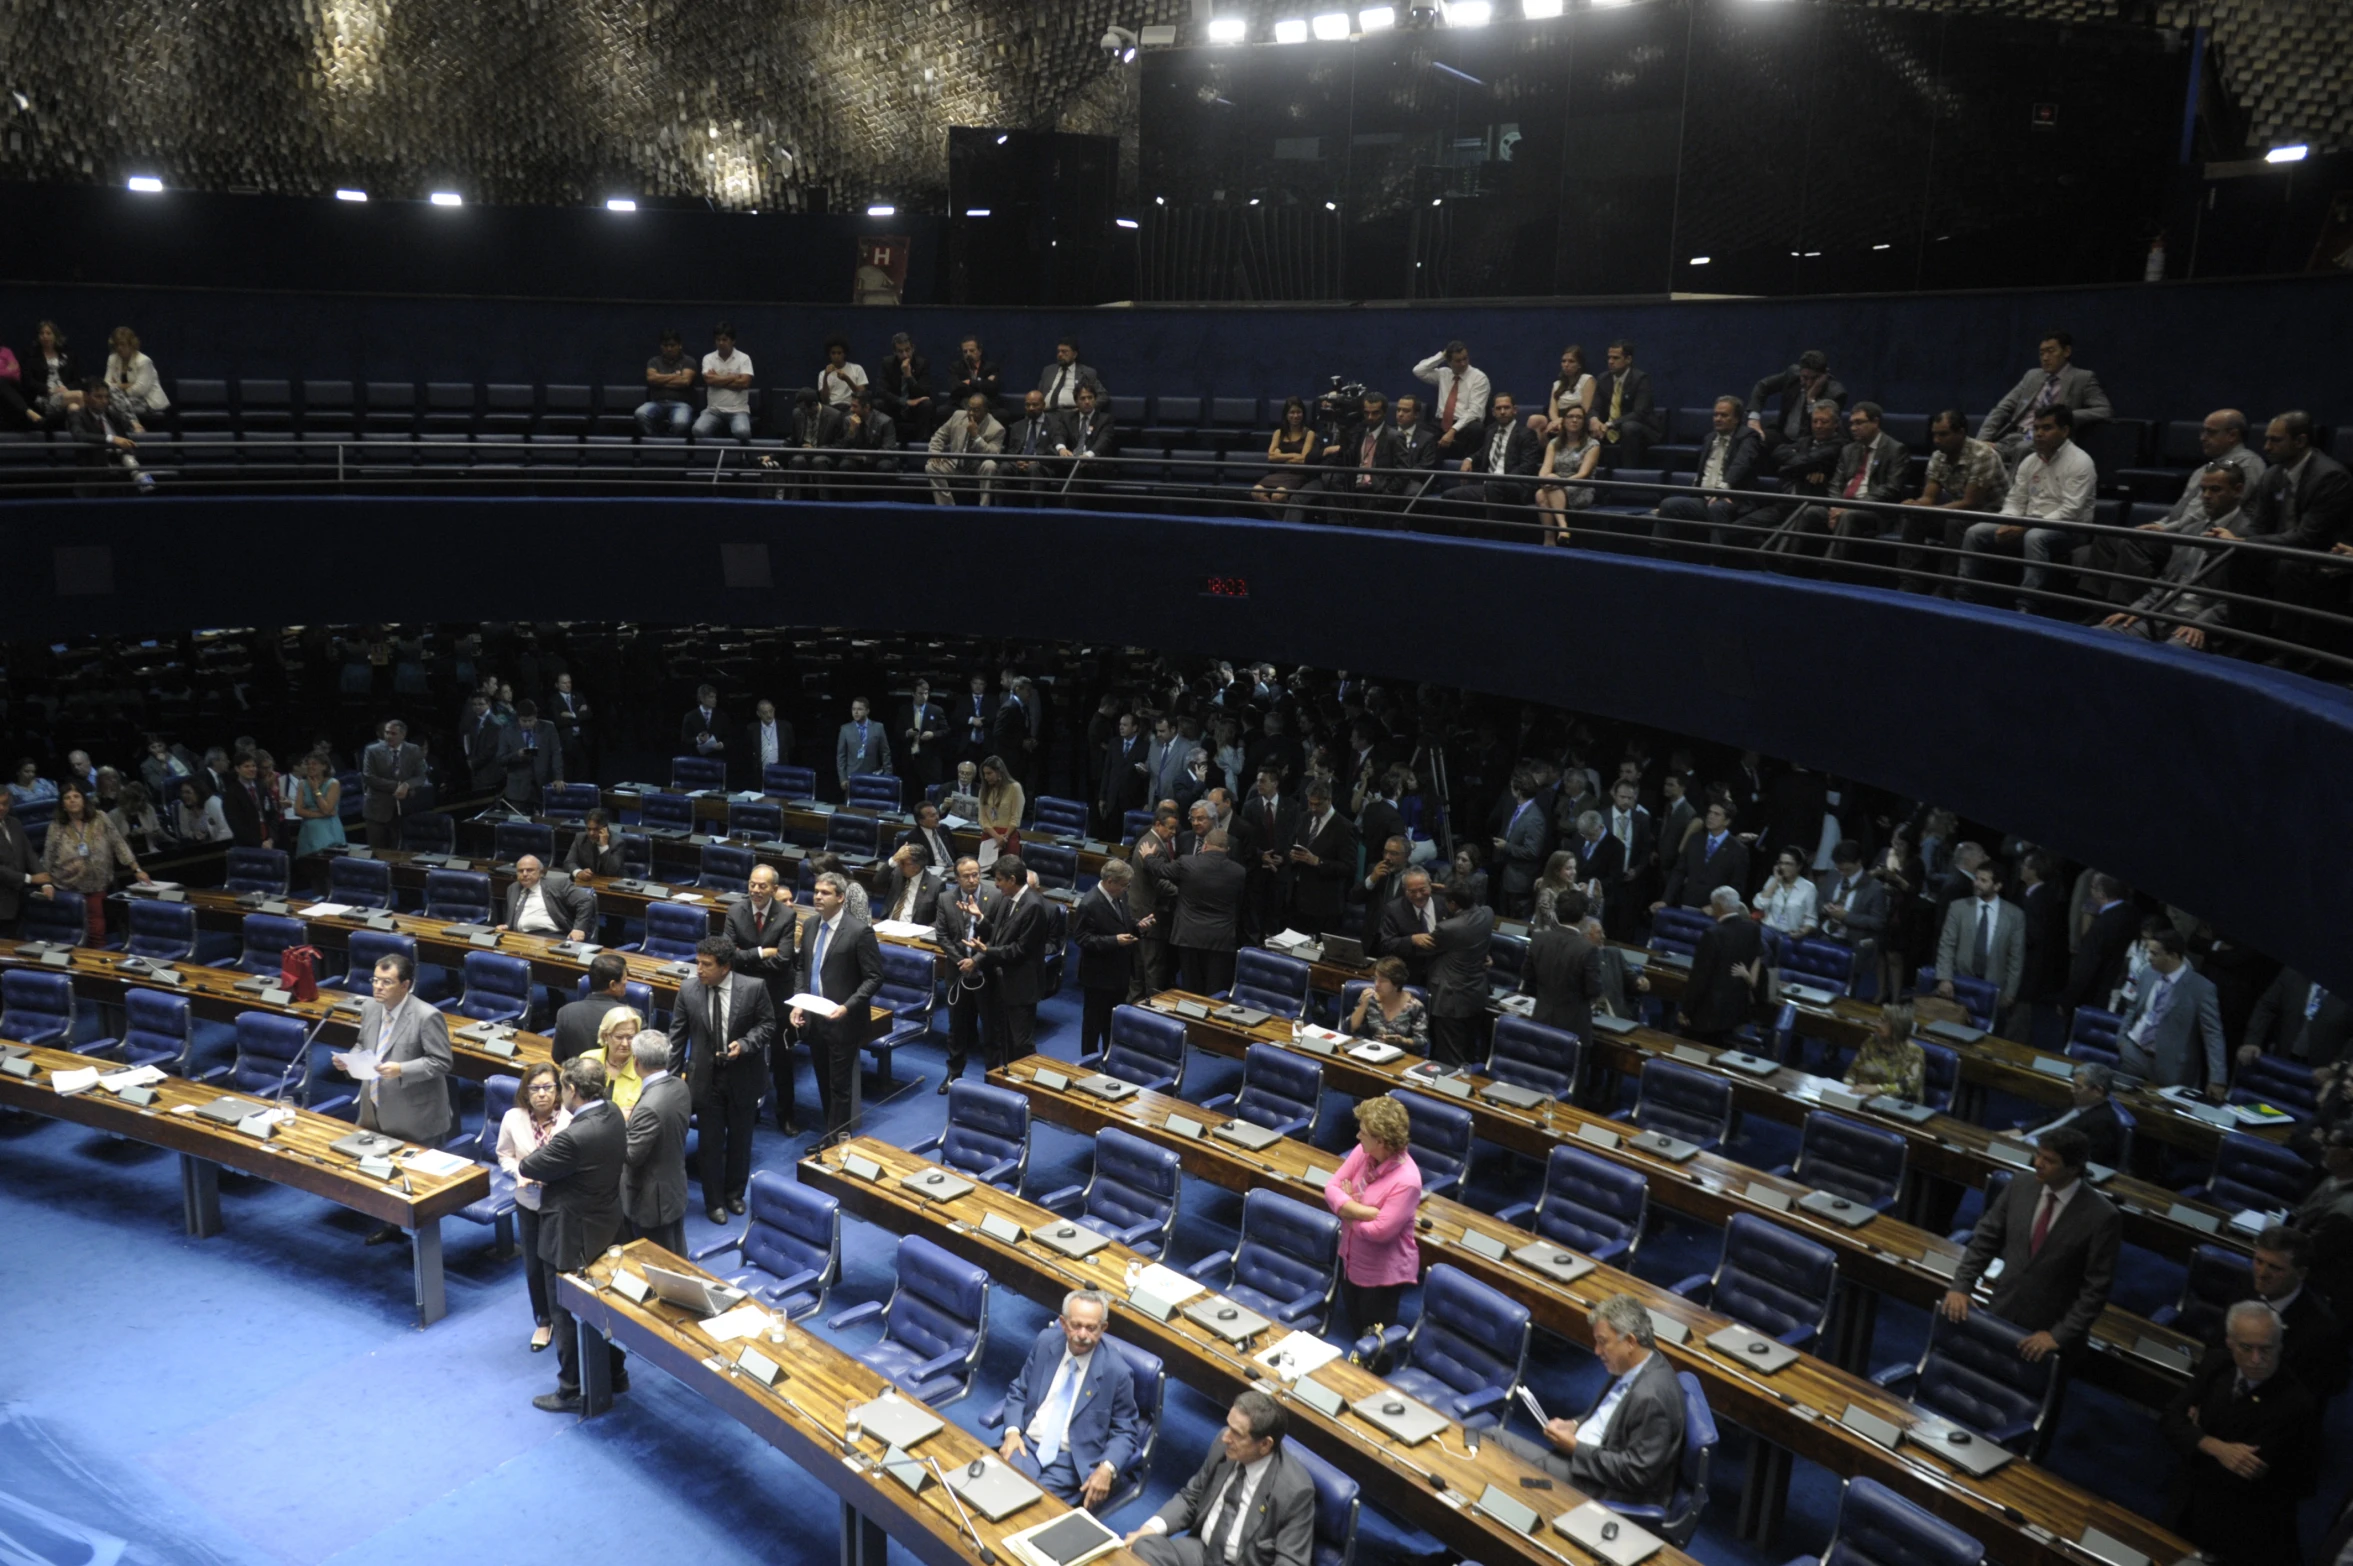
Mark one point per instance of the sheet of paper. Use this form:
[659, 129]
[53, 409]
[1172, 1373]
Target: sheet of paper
[1290, 939]
[79, 1081]
[688, 897]
[904, 929]
[1298, 1354]
[1168, 1284]
[326, 910]
[136, 1076]
[1328, 1035]
[816, 1005]
[360, 1065]
[745, 1321]
[436, 1163]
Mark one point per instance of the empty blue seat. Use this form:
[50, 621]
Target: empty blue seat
[1066, 816]
[874, 791]
[909, 994]
[986, 1137]
[1270, 981]
[1877, 1527]
[1980, 998]
[1972, 1374]
[853, 835]
[266, 938]
[511, 840]
[1337, 1501]
[2280, 1083]
[2252, 1172]
[666, 812]
[496, 1211]
[1438, 1133]
[2091, 1035]
[1056, 864]
[272, 1058]
[1683, 1101]
[498, 989]
[671, 931]
[1847, 1158]
[785, 782]
[1820, 962]
[1465, 1352]
[1589, 1205]
[1132, 1194]
[1145, 1048]
[1531, 1055]
[569, 801]
[258, 870]
[934, 1324]
[460, 896]
[690, 773]
[1286, 1265]
[37, 1008]
[2215, 1280]
[61, 919]
[359, 883]
[429, 833]
[1770, 1280]
[791, 1242]
[759, 819]
[1281, 1091]
[727, 868]
[158, 1030]
[160, 931]
[1677, 930]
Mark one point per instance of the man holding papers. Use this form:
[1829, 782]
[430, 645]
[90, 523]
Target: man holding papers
[1071, 1421]
[841, 969]
[1249, 1504]
[408, 1043]
[1627, 1449]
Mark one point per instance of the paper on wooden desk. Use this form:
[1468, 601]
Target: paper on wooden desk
[745, 1321]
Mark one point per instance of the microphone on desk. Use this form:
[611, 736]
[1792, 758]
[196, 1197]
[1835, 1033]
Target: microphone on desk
[987, 1555]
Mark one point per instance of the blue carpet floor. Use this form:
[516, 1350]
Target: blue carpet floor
[263, 1396]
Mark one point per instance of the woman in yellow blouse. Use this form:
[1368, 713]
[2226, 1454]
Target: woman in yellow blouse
[622, 1083]
[1889, 1062]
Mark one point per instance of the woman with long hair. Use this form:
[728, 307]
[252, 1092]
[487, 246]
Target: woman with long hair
[81, 854]
[1293, 445]
[538, 1114]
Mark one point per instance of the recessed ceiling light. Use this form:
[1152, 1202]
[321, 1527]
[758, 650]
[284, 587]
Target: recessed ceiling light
[1469, 13]
[976, 212]
[2295, 152]
[1330, 26]
[1293, 30]
[1699, 260]
[1540, 10]
[351, 195]
[1125, 222]
[620, 204]
[448, 198]
[1373, 18]
[1228, 29]
[880, 209]
[145, 184]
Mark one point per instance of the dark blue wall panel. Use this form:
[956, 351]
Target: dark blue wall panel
[2214, 784]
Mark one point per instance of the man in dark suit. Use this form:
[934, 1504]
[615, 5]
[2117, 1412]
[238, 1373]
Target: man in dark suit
[1109, 944]
[532, 756]
[765, 930]
[811, 432]
[1622, 414]
[2304, 501]
[1088, 436]
[1852, 906]
[1321, 862]
[579, 1172]
[2106, 948]
[1499, 471]
[1250, 1503]
[2294, 1018]
[541, 904]
[567, 714]
[1151, 903]
[391, 770]
[2057, 1239]
[1125, 769]
[2045, 970]
[1728, 460]
[1209, 893]
[1634, 1458]
[21, 875]
[1416, 454]
[939, 852]
[486, 773]
[1358, 470]
[2249, 1437]
[1408, 928]
[1983, 937]
[1384, 880]
[653, 1180]
[577, 1021]
[1016, 729]
[908, 892]
[843, 963]
[964, 912]
[1271, 819]
[870, 443]
[703, 731]
[730, 1025]
[1013, 946]
[1711, 857]
[1560, 969]
[2172, 1013]
[252, 815]
[1725, 970]
[767, 742]
[1458, 976]
[2091, 1112]
[1029, 450]
[974, 720]
[923, 726]
[862, 748]
[1074, 1398]
[1799, 387]
[1628, 882]
[2281, 1272]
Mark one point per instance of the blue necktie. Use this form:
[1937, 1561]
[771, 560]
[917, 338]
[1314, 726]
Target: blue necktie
[1058, 1413]
[817, 959]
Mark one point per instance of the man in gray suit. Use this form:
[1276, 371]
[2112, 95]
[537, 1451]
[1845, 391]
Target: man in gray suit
[409, 1095]
[1983, 938]
[1458, 976]
[391, 770]
[1520, 849]
[1628, 1447]
[2173, 1010]
[1060, 381]
[861, 748]
[1250, 1503]
[1853, 905]
[2057, 383]
[653, 1176]
[543, 904]
[2056, 1238]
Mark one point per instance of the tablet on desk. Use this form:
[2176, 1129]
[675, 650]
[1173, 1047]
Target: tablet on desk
[1072, 1539]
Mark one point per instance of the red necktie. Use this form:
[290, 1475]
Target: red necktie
[2042, 1224]
[1453, 387]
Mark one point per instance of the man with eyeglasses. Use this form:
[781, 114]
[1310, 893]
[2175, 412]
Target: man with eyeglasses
[408, 1095]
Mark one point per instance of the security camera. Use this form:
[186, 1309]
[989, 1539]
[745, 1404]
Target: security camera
[1119, 43]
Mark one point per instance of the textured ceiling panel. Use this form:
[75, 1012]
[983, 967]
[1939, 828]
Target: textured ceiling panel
[743, 103]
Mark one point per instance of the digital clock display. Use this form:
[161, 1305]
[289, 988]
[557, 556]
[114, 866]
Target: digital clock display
[1225, 587]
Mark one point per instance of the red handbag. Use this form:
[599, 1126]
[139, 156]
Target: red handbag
[298, 972]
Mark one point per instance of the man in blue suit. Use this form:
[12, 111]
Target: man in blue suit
[1071, 1421]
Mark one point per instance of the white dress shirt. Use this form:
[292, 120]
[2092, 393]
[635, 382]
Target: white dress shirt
[768, 745]
[531, 915]
[2058, 490]
[1597, 1424]
[1243, 1488]
[1470, 399]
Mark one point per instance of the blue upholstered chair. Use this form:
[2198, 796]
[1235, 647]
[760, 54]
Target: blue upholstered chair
[909, 994]
[61, 919]
[759, 819]
[361, 883]
[935, 1323]
[1439, 1135]
[853, 835]
[1972, 1374]
[1336, 1504]
[727, 868]
[511, 840]
[495, 1212]
[671, 931]
[1678, 1519]
[1281, 1091]
[1770, 1280]
[497, 989]
[1148, 1377]
[690, 773]
[162, 932]
[1055, 863]
[1531, 1055]
[366, 949]
[1131, 1196]
[429, 833]
[1680, 1100]
[791, 1244]
[785, 782]
[2252, 1172]
[1877, 1527]
[37, 1008]
[158, 1030]
[258, 870]
[459, 896]
[2091, 1035]
[1052, 814]
[986, 1137]
[1286, 1265]
[1862, 1163]
[874, 791]
[669, 812]
[2216, 1279]
[1270, 981]
[1464, 1353]
[569, 801]
[1980, 998]
[1589, 1205]
[1145, 1048]
[266, 938]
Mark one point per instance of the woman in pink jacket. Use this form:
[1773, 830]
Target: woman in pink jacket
[1375, 1194]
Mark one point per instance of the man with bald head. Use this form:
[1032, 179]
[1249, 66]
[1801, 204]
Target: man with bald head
[543, 904]
[2222, 442]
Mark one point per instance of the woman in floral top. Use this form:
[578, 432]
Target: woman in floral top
[1889, 1062]
[81, 854]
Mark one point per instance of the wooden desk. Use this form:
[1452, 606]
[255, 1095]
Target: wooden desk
[296, 1155]
[800, 1414]
[1397, 1480]
[214, 993]
[408, 875]
[1883, 1257]
[2002, 1064]
[804, 816]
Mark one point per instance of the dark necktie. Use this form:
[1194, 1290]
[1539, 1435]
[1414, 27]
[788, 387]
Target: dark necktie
[718, 1028]
[1985, 938]
[1221, 1516]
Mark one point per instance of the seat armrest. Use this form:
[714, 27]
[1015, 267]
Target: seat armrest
[998, 1171]
[1786, 1171]
[856, 1314]
[1223, 1101]
[1299, 1310]
[941, 1362]
[1053, 1200]
[214, 1074]
[1372, 1345]
[1608, 1254]
[1473, 1404]
[931, 1145]
[1640, 1513]
[1797, 1337]
[1894, 1376]
[1092, 1062]
[993, 1416]
[1136, 1231]
[1693, 1287]
[1515, 1213]
[721, 1249]
[1217, 1264]
[790, 1284]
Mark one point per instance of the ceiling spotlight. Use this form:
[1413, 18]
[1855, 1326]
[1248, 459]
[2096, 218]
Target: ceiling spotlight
[23, 103]
[1254, 201]
[1119, 44]
[1540, 10]
[448, 198]
[145, 184]
[1331, 206]
[2295, 152]
[880, 209]
[1125, 222]
[1437, 201]
[351, 195]
[1160, 201]
[1373, 18]
[1331, 26]
[1228, 29]
[1001, 140]
[1883, 246]
[1699, 260]
[1292, 31]
[976, 212]
[620, 204]
[1469, 13]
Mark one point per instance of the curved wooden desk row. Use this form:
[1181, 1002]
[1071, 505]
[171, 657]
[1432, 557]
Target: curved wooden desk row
[2004, 1065]
[297, 1154]
[804, 816]
[1797, 1410]
[1434, 1485]
[800, 1412]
